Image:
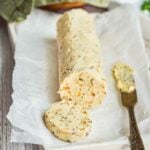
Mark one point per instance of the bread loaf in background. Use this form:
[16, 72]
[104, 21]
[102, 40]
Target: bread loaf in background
[80, 69]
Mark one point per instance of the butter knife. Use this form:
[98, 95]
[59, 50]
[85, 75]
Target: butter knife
[123, 75]
[129, 100]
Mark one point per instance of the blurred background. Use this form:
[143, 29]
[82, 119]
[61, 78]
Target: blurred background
[17, 10]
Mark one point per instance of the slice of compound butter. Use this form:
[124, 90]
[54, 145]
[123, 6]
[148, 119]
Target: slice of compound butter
[123, 75]
[80, 69]
[67, 121]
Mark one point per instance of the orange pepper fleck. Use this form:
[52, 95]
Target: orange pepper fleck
[66, 88]
[79, 93]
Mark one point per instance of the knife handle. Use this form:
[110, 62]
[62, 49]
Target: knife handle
[136, 142]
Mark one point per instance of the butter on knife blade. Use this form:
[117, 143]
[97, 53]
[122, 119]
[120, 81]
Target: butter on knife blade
[123, 75]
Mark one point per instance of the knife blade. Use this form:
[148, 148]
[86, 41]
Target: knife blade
[129, 99]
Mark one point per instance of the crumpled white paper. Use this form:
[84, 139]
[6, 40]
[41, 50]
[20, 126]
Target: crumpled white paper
[128, 1]
[35, 81]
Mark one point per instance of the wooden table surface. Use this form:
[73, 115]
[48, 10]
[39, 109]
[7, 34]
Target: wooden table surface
[6, 67]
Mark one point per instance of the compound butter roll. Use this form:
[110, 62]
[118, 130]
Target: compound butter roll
[80, 71]
[67, 121]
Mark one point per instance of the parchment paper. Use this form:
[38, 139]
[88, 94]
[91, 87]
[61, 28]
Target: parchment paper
[35, 80]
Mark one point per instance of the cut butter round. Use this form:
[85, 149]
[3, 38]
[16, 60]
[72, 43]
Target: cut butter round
[67, 121]
[80, 70]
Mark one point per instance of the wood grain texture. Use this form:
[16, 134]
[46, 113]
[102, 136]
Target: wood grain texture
[6, 68]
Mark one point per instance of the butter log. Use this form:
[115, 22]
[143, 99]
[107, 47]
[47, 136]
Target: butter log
[80, 69]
